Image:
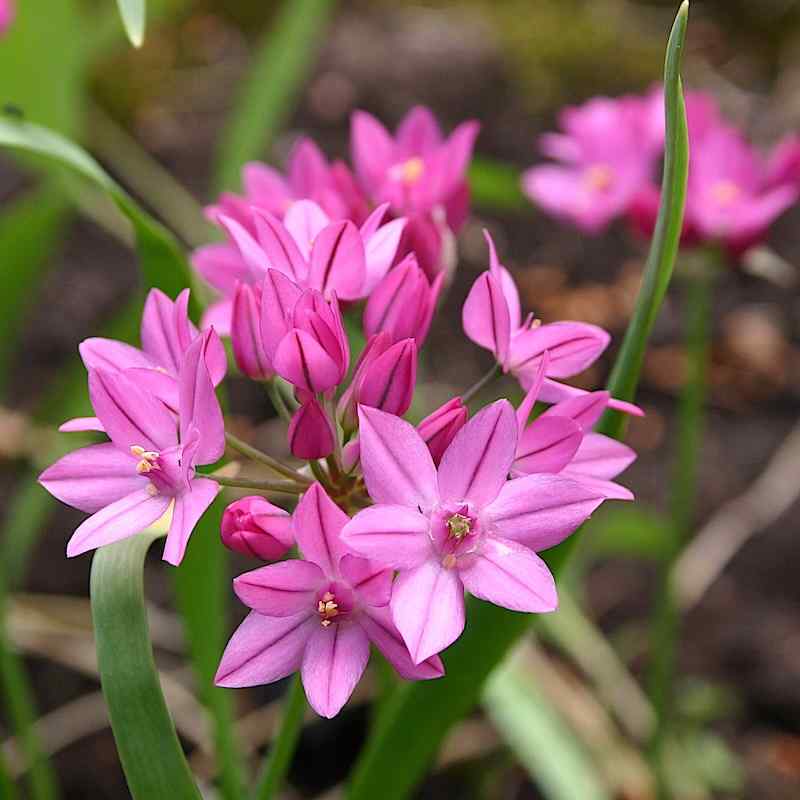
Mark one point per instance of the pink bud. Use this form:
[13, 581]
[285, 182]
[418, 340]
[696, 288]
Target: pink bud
[389, 382]
[248, 347]
[347, 410]
[254, 527]
[403, 303]
[439, 428]
[311, 433]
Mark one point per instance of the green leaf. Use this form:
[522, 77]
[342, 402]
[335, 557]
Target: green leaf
[203, 588]
[540, 738]
[282, 62]
[148, 745]
[133, 18]
[632, 531]
[494, 185]
[418, 716]
[163, 263]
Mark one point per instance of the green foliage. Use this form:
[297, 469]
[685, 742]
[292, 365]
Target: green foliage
[494, 185]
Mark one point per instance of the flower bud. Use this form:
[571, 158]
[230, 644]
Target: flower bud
[254, 527]
[248, 347]
[389, 381]
[347, 410]
[439, 428]
[311, 433]
[403, 303]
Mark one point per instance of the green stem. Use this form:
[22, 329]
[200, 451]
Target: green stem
[282, 487]
[280, 755]
[258, 455]
[665, 626]
[494, 373]
[278, 403]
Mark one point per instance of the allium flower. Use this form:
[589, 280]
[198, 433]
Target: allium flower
[303, 335]
[254, 527]
[464, 525]
[166, 335]
[317, 615]
[149, 464]
[311, 433]
[492, 319]
[606, 153]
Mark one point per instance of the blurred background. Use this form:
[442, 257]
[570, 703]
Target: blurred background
[158, 119]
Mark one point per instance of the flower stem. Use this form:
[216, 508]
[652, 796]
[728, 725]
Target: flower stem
[257, 455]
[665, 626]
[282, 487]
[280, 755]
[473, 390]
[278, 403]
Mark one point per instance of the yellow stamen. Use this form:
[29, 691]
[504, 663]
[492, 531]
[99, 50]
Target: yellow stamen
[148, 459]
[409, 171]
[327, 608]
[449, 561]
[598, 177]
[459, 526]
[725, 192]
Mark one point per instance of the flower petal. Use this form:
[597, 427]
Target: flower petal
[80, 424]
[547, 445]
[486, 317]
[111, 355]
[189, 507]
[428, 609]
[304, 220]
[397, 464]
[279, 247]
[372, 150]
[584, 409]
[540, 511]
[370, 580]
[166, 331]
[301, 360]
[380, 250]
[337, 261]
[282, 589]
[334, 661]
[476, 464]
[512, 576]
[602, 457]
[317, 524]
[265, 649]
[393, 535]
[126, 517]
[572, 346]
[279, 296]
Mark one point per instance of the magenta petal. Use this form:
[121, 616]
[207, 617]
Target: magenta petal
[572, 346]
[161, 385]
[377, 623]
[166, 330]
[370, 580]
[540, 511]
[337, 261]
[279, 246]
[532, 396]
[265, 186]
[334, 661]
[389, 382]
[80, 424]
[584, 409]
[372, 150]
[129, 415]
[218, 316]
[397, 464]
[221, 265]
[248, 348]
[251, 251]
[302, 361]
[507, 283]
[418, 133]
[93, 477]
[380, 250]
[486, 317]
[602, 457]
[512, 576]
[126, 517]
[608, 489]
[308, 169]
[311, 434]
[393, 535]
[547, 445]
[282, 589]
[279, 296]
[111, 355]
[428, 609]
[189, 507]
[265, 649]
[317, 524]
[477, 463]
[305, 220]
[199, 407]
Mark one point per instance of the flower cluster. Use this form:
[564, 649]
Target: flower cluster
[392, 523]
[608, 159]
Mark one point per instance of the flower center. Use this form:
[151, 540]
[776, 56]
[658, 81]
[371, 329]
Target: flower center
[598, 177]
[725, 192]
[459, 526]
[148, 459]
[327, 608]
[409, 171]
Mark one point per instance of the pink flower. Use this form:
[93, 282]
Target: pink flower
[7, 15]
[317, 615]
[464, 525]
[149, 464]
[403, 303]
[166, 335]
[439, 428]
[248, 347]
[606, 152]
[311, 432]
[560, 441]
[492, 319]
[254, 527]
[302, 334]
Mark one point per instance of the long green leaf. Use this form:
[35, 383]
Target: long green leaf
[494, 185]
[419, 715]
[202, 586]
[148, 745]
[542, 741]
[162, 261]
[133, 18]
[282, 63]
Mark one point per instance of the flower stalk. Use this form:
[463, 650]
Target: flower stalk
[263, 458]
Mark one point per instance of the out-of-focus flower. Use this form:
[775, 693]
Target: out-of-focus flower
[248, 348]
[8, 12]
[606, 152]
[464, 525]
[149, 464]
[317, 615]
[439, 428]
[254, 527]
[403, 303]
[311, 432]
[303, 335]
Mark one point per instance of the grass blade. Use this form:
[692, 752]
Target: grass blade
[148, 745]
[281, 64]
[419, 715]
[133, 18]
